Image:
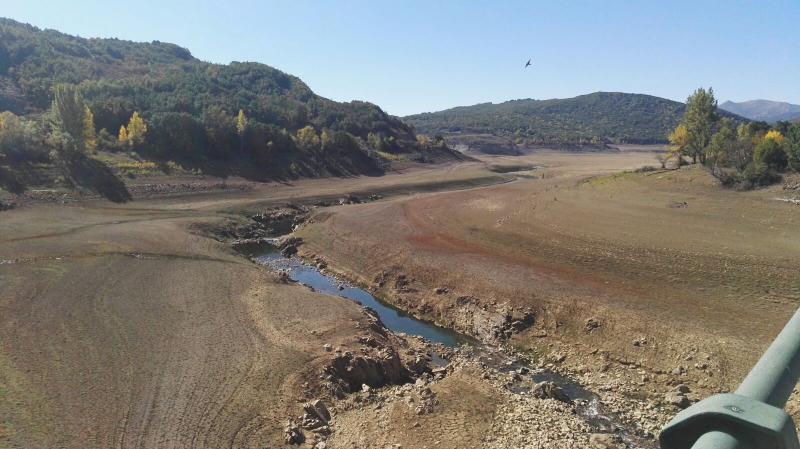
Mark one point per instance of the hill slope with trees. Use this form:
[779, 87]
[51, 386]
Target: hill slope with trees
[240, 118]
[597, 118]
[743, 155]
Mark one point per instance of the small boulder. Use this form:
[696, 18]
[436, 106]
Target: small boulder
[292, 433]
[677, 399]
[682, 388]
[549, 390]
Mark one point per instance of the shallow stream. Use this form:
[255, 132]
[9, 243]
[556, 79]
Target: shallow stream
[587, 404]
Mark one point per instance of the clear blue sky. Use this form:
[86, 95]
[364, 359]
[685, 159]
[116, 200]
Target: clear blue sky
[415, 56]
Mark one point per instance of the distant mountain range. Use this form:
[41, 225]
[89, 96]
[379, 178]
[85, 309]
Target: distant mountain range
[593, 119]
[763, 110]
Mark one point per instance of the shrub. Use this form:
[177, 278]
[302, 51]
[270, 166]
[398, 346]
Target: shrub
[770, 152]
[19, 139]
[759, 174]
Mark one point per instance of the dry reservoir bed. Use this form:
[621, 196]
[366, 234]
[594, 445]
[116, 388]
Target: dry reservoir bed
[128, 326]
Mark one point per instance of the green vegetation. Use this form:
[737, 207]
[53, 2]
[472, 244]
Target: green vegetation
[70, 97]
[601, 117]
[748, 155]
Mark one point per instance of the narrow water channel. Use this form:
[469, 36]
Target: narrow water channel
[588, 404]
[394, 319]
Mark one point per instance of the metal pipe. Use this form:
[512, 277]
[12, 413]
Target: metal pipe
[771, 381]
[775, 375]
[718, 440]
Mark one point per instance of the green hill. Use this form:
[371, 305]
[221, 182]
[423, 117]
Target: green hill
[190, 107]
[600, 117]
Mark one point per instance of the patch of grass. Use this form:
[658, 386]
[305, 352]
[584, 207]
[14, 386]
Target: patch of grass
[136, 167]
[388, 156]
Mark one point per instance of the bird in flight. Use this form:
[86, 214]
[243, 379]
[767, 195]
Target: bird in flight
[528, 63]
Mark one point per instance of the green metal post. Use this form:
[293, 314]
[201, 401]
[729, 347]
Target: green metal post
[775, 375]
[718, 440]
[751, 418]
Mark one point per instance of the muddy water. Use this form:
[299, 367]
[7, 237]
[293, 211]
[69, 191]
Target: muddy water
[587, 404]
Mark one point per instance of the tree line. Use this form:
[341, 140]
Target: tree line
[68, 130]
[746, 154]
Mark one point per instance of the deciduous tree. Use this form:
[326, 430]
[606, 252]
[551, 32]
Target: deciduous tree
[241, 127]
[89, 133]
[137, 130]
[678, 144]
[793, 146]
[307, 138]
[770, 151]
[699, 119]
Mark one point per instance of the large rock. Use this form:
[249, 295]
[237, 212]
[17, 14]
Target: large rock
[677, 399]
[549, 390]
[488, 322]
[293, 434]
[378, 369]
[289, 245]
[316, 415]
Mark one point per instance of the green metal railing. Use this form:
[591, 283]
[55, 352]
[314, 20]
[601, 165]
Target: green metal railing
[753, 416]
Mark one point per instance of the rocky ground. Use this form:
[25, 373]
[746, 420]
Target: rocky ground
[619, 274]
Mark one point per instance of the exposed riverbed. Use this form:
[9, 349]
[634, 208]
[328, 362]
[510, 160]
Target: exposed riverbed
[587, 404]
[394, 319]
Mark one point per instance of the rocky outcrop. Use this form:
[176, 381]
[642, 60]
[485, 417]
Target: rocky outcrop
[288, 245]
[381, 367]
[377, 363]
[488, 322]
[260, 228]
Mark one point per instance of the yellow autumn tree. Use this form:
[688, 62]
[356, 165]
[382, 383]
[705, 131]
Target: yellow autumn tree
[123, 135]
[133, 135]
[137, 129]
[241, 123]
[307, 137]
[89, 134]
[241, 126]
[776, 136]
[678, 143]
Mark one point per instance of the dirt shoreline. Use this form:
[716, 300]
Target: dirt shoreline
[627, 316]
[126, 325]
[129, 325]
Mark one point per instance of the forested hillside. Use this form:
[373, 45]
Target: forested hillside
[242, 118]
[600, 117]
